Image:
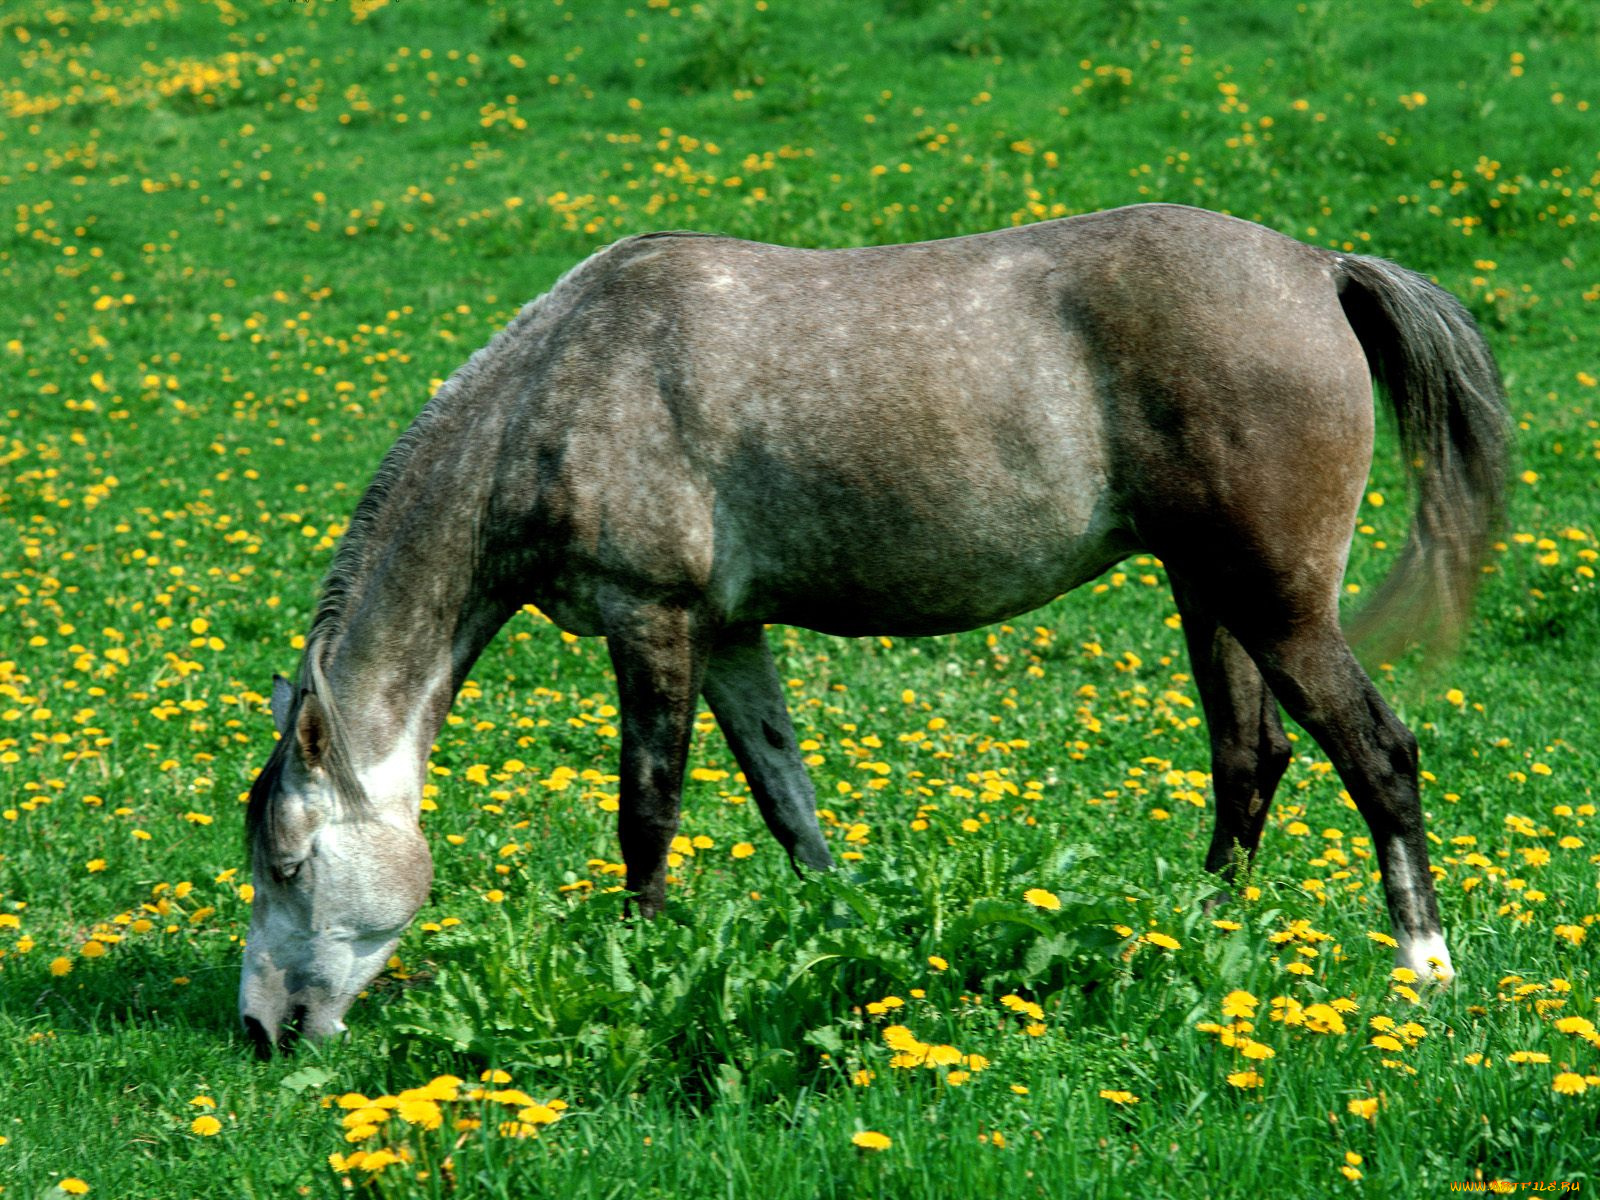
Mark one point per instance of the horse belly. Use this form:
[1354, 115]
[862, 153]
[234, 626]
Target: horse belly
[914, 560]
[947, 598]
[944, 483]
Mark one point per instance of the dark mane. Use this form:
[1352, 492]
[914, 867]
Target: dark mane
[259, 826]
[341, 591]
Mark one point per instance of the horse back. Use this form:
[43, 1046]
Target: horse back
[926, 437]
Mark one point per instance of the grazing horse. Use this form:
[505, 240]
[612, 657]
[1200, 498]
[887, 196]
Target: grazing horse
[690, 436]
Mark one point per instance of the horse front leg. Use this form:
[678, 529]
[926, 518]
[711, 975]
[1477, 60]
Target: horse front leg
[746, 696]
[659, 653]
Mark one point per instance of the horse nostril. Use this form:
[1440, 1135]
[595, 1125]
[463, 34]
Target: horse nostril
[257, 1033]
[289, 1033]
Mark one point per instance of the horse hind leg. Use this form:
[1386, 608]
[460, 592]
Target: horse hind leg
[746, 696]
[1310, 668]
[1249, 750]
[659, 652]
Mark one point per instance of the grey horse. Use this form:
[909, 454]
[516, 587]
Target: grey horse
[690, 436]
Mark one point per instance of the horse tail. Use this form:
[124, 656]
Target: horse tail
[1429, 356]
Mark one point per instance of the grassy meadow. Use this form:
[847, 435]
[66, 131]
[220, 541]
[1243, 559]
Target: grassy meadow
[246, 239]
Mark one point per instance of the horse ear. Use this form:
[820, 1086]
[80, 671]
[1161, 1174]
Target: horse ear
[282, 698]
[311, 730]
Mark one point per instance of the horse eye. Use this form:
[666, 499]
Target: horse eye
[285, 872]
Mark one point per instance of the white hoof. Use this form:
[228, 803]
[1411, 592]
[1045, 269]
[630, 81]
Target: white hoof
[1428, 956]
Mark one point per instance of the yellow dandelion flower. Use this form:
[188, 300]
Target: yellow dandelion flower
[1117, 1097]
[376, 1160]
[513, 1097]
[1323, 1018]
[869, 1139]
[372, 1114]
[1569, 1084]
[1165, 941]
[442, 1087]
[1366, 1108]
[1246, 1079]
[73, 1186]
[742, 850]
[1018, 1005]
[1239, 1004]
[1040, 898]
[60, 966]
[425, 1113]
[206, 1126]
[898, 1037]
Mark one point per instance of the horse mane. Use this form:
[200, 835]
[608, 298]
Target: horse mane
[339, 592]
[341, 589]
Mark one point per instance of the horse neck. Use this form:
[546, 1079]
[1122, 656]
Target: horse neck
[415, 618]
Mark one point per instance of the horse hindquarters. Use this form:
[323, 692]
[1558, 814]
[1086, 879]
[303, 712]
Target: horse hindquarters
[1255, 529]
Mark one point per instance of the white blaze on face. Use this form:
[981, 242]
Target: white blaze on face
[318, 938]
[333, 895]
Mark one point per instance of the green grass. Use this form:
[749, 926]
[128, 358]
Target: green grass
[244, 241]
